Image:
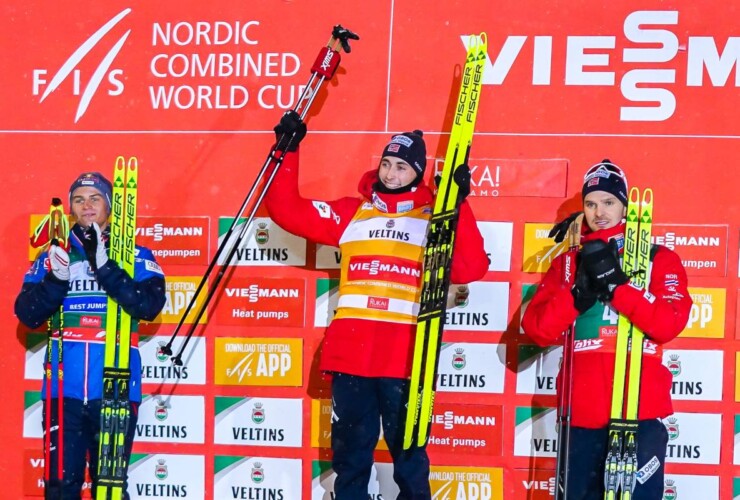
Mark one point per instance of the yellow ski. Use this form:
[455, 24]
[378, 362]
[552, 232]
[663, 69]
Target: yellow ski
[438, 251]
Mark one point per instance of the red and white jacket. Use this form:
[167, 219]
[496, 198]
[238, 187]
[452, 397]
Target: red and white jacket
[382, 238]
[661, 312]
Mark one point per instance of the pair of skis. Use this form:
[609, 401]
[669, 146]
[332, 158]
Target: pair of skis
[115, 411]
[620, 470]
[621, 461]
[438, 251]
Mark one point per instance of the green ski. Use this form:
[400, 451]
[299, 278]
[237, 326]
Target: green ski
[621, 462]
[115, 409]
[438, 251]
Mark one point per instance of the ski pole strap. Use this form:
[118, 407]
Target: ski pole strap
[344, 36]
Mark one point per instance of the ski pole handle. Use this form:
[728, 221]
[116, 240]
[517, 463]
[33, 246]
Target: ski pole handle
[326, 62]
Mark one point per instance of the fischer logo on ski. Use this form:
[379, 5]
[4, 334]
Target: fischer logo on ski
[620, 471]
[438, 252]
[115, 411]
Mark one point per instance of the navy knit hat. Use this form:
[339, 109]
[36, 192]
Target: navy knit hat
[409, 147]
[606, 176]
[94, 180]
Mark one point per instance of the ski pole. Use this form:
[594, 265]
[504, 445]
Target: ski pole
[322, 69]
[566, 378]
[56, 235]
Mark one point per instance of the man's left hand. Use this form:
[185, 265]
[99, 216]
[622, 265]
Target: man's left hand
[94, 245]
[601, 262]
[461, 176]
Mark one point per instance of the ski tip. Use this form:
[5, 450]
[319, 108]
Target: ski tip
[120, 163]
[133, 163]
[634, 195]
[647, 196]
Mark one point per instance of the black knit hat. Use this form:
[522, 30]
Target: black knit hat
[409, 147]
[606, 176]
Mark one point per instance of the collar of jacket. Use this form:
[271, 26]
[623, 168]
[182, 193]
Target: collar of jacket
[394, 203]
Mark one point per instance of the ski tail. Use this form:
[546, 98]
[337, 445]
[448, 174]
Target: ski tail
[438, 251]
[115, 410]
[621, 463]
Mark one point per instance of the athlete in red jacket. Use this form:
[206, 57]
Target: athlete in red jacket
[661, 312]
[368, 346]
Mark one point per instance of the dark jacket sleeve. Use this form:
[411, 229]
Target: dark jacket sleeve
[141, 299]
[469, 258]
[38, 301]
[662, 310]
[551, 310]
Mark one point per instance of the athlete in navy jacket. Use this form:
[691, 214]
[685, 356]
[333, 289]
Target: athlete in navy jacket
[81, 280]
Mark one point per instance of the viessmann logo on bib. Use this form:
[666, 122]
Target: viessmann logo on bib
[392, 269]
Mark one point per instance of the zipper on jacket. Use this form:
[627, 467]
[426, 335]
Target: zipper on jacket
[87, 365]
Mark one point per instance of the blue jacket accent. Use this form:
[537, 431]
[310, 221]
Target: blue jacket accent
[85, 298]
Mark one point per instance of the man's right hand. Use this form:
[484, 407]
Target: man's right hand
[289, 132]
[59, 262]
[584, 296]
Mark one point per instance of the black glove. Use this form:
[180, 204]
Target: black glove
[461, 176]
[290, 125]
[584, 295]
[560, 229]
[601, 261]
[344, 36]
[93, 244]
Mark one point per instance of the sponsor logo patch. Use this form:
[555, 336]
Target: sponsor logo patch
[153, 267]
[323, 209]
[647, 470]
[378, 303]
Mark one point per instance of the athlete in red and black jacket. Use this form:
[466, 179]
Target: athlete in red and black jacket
[661, 312]
[368, 347]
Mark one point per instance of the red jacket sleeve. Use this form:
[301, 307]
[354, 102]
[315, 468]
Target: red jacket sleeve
[551, 310]
[469, 257]
[663, 310]
[315, 220]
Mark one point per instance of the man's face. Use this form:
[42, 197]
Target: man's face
[395, 173]
[602, 210]
[89, 205]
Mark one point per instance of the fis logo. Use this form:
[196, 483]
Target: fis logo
[103, 71]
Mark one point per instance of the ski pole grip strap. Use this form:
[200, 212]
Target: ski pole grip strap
[326, 63]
